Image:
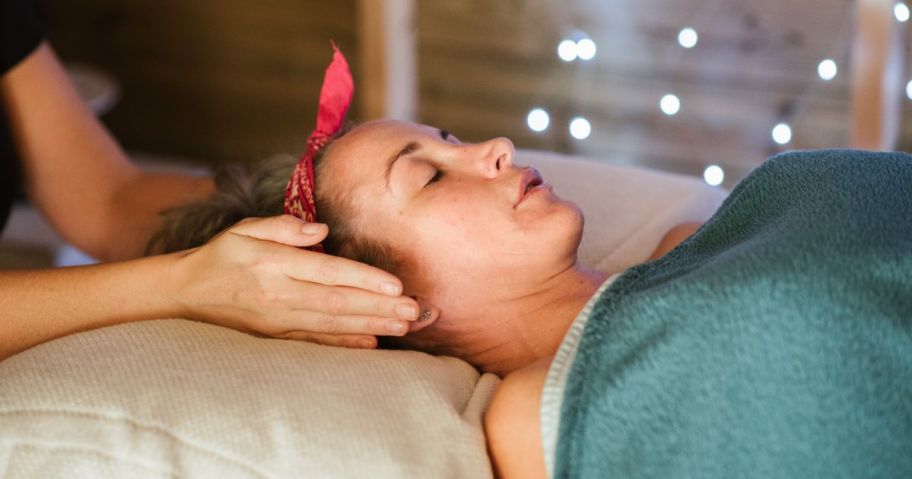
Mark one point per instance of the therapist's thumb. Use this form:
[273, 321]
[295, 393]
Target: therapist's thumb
[285, 229]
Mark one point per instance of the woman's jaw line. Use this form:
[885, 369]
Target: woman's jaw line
[536, 321]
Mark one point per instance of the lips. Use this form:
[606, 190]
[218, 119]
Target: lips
[530, 179]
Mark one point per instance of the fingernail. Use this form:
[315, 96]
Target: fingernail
[396, 327]
[365, 343]
[312, 228]
[425, 315]
[389, 288]
[406, 311]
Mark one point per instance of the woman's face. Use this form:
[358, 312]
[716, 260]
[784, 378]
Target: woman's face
[460, 214]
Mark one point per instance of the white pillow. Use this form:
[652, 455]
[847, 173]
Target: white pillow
[174, 398]
[177, 398]
[628, 210]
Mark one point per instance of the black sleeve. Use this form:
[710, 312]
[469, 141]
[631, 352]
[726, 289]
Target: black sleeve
[21, 30]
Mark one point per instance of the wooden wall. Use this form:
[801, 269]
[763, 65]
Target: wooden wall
[237, 80]
[214, 80]
[484, 65]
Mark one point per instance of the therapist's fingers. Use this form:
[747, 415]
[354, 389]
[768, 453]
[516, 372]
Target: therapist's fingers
[345, 300]
[337, 271]
[311, 266]
[284, 229]
[354, 341]
[325, 323]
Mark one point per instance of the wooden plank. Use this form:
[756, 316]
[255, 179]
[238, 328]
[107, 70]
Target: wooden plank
[219, 80]
[709, 106]
[388, 60]
[877, 77]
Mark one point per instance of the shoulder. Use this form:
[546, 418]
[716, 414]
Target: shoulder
[673, 237]
[512, 424]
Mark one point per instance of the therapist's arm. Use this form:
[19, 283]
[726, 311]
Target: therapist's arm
[75, 171]
[45, 304]
[253, 277]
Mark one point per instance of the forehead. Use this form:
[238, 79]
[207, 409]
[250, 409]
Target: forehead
[358, 159]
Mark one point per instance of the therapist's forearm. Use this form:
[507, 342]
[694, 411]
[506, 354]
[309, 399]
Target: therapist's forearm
[76, 172]
[136, 210]
[37, 306]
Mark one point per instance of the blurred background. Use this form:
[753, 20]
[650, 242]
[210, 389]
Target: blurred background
[703, 87]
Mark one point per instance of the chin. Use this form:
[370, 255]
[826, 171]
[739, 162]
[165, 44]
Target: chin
[569, 225]
[557, 236]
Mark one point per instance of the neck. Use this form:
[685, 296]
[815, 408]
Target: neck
[537, 320]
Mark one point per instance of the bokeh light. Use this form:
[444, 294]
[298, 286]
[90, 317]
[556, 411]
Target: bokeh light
[827, 69]
[782, 133]
[538, 120]
[670, 104]
[580, 128]
[714, 175]
[901, 10]
[586, 49]
[567, 50]
[688, 37]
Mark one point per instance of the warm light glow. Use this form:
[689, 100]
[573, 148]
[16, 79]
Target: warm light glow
[901, 10]
[567, 50]
[670, 105]
[586, 49]
[714, 175]
[827, 69]
[782, 133]
[580, 128]
[538, 120]
[688, 37]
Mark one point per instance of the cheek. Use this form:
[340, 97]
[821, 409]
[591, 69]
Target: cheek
[469, 242]
[463, 231]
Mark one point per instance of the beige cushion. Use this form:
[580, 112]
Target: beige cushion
[176, 398]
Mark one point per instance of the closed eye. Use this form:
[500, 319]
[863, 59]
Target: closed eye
[437, 176]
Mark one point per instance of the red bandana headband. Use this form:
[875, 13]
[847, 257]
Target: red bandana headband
[335, 98]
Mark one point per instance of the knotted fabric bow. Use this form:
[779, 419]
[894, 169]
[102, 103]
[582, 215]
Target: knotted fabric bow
[335, 99]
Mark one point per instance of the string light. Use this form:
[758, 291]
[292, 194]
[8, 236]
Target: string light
[670, 104]
[901, 10]
[586, 49]
[579, 45]
[782, 133]
[714, 175]
[827, 69]
[538, 120]
[688, 37]
[567, 50]
[580, 128]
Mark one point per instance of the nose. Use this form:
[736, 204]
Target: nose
[495, 157]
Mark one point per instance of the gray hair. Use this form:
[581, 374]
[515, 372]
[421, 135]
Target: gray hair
[242, 191]
[258, 190]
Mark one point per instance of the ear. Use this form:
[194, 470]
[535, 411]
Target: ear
[429, 313]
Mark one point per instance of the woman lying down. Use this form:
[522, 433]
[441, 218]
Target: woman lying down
[776, 341]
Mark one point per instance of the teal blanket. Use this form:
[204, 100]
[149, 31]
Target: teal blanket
[776, 342]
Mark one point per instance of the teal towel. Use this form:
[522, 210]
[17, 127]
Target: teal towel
[776, 342]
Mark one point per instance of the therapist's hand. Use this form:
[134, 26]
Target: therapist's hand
[254, 277]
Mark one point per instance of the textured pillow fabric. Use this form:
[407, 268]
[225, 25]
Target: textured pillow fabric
[176, 398]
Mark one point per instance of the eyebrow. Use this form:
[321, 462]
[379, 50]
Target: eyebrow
[409, 148]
